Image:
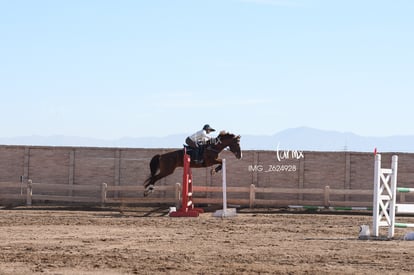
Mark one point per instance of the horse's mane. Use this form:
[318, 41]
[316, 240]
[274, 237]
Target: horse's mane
[224, 133]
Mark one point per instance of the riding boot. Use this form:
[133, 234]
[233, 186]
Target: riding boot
[200, 154]
[196, 154]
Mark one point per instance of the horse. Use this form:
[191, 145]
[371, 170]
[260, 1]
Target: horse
[165, 164]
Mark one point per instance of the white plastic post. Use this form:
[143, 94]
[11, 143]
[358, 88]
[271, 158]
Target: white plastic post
[394, 167]
[224, 186]
[225, 212]
[377, 184]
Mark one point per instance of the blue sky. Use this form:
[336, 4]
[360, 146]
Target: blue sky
[111, 69]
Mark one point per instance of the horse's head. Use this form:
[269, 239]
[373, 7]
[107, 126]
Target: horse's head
[225, 139]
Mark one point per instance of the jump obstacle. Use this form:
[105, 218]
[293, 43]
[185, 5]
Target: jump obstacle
[187, 207]
[384, 202]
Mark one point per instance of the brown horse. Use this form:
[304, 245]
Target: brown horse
[165, 164]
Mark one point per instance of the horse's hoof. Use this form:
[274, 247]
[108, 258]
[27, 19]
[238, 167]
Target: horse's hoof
[148, 190]
[213, 172]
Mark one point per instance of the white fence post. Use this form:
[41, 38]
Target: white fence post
[104, 188]
[29, 192]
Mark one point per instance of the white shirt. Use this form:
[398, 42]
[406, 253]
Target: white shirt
[200, 137]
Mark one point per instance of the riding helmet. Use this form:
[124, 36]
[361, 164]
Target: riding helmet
[208, 128]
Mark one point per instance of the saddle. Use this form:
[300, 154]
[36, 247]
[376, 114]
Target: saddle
[196, 154]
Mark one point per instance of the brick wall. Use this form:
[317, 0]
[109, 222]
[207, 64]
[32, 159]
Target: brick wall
[130, 166]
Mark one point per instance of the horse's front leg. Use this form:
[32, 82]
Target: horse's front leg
[218, 168]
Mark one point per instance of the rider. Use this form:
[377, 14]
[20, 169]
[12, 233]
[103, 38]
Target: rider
[199, 138]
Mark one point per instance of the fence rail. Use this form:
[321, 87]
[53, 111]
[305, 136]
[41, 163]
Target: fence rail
[325, 194]
[251, 196]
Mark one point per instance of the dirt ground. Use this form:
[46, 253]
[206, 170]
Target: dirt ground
[124, 240]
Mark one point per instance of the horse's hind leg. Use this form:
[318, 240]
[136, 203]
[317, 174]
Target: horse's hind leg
[148, 190]
[164, 167]
[154, 167]
[149, 187]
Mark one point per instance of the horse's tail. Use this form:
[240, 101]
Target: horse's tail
[154, 167]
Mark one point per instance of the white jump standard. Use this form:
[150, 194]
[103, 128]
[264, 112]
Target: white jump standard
[384, 201]
[225, 212]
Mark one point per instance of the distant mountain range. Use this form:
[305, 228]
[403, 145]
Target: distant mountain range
[302, 138]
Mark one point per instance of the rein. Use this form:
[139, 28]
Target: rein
[213, 146]
[210, 148]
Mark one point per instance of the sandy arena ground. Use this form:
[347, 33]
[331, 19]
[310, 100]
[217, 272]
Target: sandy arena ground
[147, 241]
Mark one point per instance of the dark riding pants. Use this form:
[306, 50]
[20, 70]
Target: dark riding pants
[191, 143]
[197, 149]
